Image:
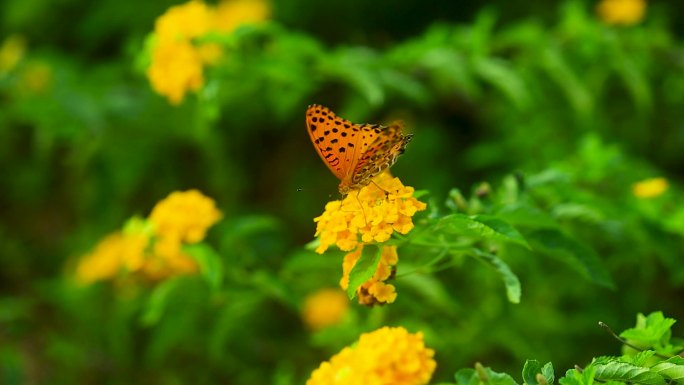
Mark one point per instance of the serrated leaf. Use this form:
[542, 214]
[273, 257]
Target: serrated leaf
[533, 369]
[554, 243]
[672, 369]
[625, 372]
[364, 269]
[638, 359]
[650, 330]
[575, 377]
[209, 263]
[481, 226]
[509, 278]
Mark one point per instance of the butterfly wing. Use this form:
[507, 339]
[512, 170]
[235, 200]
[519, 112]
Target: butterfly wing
[339, 142]
[382, 153]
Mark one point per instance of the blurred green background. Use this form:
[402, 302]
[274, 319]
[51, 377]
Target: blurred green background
[573, 107]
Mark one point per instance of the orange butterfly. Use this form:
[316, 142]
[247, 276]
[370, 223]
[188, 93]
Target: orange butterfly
[355, 153]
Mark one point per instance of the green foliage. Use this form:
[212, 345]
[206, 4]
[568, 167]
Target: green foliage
[531, 122]
[630, 369]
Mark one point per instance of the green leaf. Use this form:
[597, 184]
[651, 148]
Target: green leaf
[503, 228]
[524, 215]
[672, 369]
[209, 263]
[575, 90]
[156, 303]
[509, 278]
[652, 330]
[364, 269]
[501, 75]
[554, 243]
[533, 369]
[547, 372]
[481, 226]
[625, 372]
[466, 376]
[638, 359]
[489, 377]
[575, 377]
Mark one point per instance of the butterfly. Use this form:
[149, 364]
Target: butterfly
[355, 153]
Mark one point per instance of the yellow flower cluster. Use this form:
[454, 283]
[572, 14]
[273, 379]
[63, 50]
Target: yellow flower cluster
[370, 215]
[152, 249]
[621, 12]
[650, 188]
[11, 52]
[387, 356]
[375, 290]
[324, 308]
[177, 58]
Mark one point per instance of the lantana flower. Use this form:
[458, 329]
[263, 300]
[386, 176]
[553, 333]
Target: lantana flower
[178, 57]
[650, 188]
[387, 356]
[621, 12]
[324, 308]
[153, 248]
[369, 216]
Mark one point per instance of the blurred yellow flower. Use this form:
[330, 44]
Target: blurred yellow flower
[650, 188]
[178, 59]
[387, 356]
[11, 52]
[375, 290]
[231, 14]
[372, 215]
[36, 77]
[324, 308]
[184, 22]
[102, 263]
[176, 69]
[152, 249]
[621, 12]
[184, 215]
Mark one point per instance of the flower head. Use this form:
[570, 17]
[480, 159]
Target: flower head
[387, 356]
[178, 56]
[650, 188]
[230, 14]
[185, 215]
[621, 12]
[372, 214]
[325, 307]
[12, 50]
[152, 248]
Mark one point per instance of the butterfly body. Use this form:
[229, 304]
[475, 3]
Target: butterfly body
[355, 153]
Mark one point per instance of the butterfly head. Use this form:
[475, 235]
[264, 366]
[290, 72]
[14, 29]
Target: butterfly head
[344, 188]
